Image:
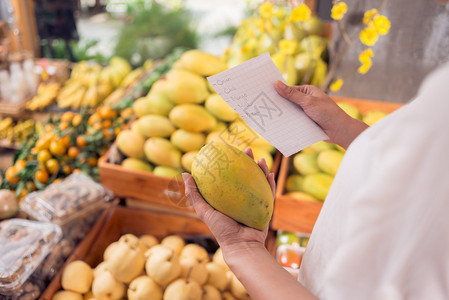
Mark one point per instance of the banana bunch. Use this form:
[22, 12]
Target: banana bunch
[5, 124]
[90, 84]
[18, 133]
[46, 95]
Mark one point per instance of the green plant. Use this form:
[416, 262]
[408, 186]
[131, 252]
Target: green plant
[153, 31]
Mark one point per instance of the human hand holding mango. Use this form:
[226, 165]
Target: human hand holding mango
[338, 125]
[228, 232]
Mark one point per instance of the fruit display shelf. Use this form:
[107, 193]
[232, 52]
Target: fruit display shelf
[151, 191]
[119, 220]
[300, 215]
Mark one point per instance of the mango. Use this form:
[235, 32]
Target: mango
[210, 88]
[329, 161]
[167, 172]
[159, 104]
[220, 109]
[219, 127]
[231, 182]
[141, 107]
[262, 153]
[246, 134]
[136, 164]
[351, 110]
[183, 86]
[305, 163]
[187, 140]
[161, 152]
[317, 185]
[192, 117]
[201, 63]
[155, 126]
[187, 160]
[294, 183]
[302, 196]
[318, 147]
[131, 144]
[372, 116]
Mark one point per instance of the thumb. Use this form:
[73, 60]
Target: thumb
[291, 93]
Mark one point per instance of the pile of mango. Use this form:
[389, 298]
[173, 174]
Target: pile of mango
[314, 168]
[141, 268]
[180, 114]
[297, 47]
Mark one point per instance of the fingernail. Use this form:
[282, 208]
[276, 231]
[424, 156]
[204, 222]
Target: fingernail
[281, 85]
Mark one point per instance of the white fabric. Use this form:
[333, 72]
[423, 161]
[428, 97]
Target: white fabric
[383, 232]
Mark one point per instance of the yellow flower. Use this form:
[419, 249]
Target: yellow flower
[366, 55]
[381, 24]
[266, 10]
[338, 10]
[368, 36]
[279, 12]
[336, 85]
[365, 67]
[288, 46]
[300, 13]
[260, 25]
[369, 14]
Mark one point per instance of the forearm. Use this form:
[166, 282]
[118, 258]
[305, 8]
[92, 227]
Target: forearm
[262, 276]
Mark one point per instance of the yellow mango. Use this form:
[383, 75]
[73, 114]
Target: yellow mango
[231, 182]
[136, 164]
[294, 183]
[192, 117]
[302, 196]
[317, 185]
[131, 143]
[351, 110]
[201, 63]
[181, 86]
[318, 147]
[305, 163]
[220, 109]
[262, 153]
[161, 152]
[187, 140]
[372, 116]
[187, 160]
[167, 172]
[329, 161]
[141, 107]
[155, 126]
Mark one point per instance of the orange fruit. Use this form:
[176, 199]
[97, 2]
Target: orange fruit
[11, 173]
[76, 171]
[105, 112]
[52, 165]
[67, 116]
[97, 126]
[20, 165]
[77, 119]
[43, 156]
[107, 133]
[107, 123]
[66, 141]
[57, 180]
[73, 152]
[22, 194]
[92, 161]
[81, 141]
[41, 176]
[127, 112]
[94, 119]
[57, 147]
[117, 131]
[30, 186]
[63, 126]
[49, 127]
[34, 150]
[67, 169]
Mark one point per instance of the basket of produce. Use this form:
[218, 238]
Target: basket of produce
[305, 178]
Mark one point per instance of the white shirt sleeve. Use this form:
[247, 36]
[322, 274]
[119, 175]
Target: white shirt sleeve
[384, 229]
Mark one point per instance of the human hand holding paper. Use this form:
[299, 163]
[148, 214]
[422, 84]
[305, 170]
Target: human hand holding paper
[249, 89]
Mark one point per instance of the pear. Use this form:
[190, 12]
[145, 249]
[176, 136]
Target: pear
[195, 251]
[125, 262]
[210, 293]
[100, 268]
[216, 276]
[148, 241]
[67, 295]
[183, 289]
[88, 296]
[227, 296]
[174, 242]
[237, 288]
[193, 269]
[77, 277]
[163, 265]
[106, 287]
[218, 259]
[108, 250]
[129, 239]
[144, 288]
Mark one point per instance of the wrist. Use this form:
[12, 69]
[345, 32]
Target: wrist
[349, 131]
[236, 254]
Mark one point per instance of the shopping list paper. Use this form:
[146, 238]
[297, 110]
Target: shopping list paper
[249, 89]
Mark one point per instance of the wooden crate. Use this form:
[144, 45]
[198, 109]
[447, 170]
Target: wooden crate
[120, 220]
[300, 216]
[163, 192]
